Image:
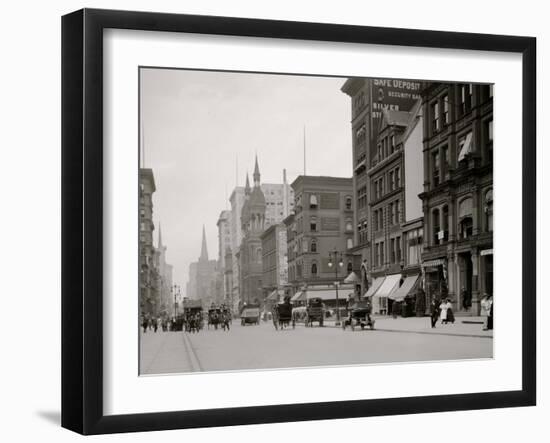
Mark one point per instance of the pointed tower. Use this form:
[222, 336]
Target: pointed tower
[204, 250]
[256, 173]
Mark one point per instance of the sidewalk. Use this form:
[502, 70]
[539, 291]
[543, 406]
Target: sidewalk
[463, 326]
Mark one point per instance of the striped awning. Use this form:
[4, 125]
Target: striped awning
[436, 262]
[375, 285]
[405, 289]
[326, 294]
[390, 284]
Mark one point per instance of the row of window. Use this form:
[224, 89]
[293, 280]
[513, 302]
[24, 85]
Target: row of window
[394, 215]
[394, 252]
[362, 197]
[385, 147]
[314, 269]
[439, 107]
[440, 156]
[390, 181]
[314, 202]
[440, 219]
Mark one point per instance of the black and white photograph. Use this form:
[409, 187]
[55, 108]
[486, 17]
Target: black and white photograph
[295, 221]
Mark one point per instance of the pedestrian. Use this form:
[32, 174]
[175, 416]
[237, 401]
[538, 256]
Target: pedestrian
[490, 317]
[443, 308]
[144, 324]
[434, 312]
[485, 308]
[450, 314]
[395, 309]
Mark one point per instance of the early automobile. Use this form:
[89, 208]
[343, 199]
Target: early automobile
[250, 315]
[359, 315]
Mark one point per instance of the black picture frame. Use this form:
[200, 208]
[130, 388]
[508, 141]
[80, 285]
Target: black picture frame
[82, 218]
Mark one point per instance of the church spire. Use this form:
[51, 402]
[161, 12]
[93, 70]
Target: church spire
[256, 173]
[204, 250]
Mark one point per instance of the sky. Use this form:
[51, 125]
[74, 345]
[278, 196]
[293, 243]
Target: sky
[198, 128]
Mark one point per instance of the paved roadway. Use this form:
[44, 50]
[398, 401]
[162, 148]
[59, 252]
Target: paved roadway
[261, 347]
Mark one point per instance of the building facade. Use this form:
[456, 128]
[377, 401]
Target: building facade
[368, 98]
[457, 260]
[164, 278]
[203, 283]
[224, 245]
[274, 259]
[321, 224]
[253, 224]
[237, 200]
[149, 292]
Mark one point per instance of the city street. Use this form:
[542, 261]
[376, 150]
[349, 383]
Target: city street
[261, 347]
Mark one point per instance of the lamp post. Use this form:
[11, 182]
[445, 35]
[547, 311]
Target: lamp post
[338, 262]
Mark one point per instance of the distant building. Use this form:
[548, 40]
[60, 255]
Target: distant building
[457, 260]
[149, 295]
[224, 244]
[237, 201]
[203, 277]
[321, 224]
[164, 276]
[250, 253]
[274, 260]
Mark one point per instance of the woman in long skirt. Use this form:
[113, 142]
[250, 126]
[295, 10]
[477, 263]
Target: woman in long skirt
[443, 307]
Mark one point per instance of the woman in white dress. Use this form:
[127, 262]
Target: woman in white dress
[443, 307]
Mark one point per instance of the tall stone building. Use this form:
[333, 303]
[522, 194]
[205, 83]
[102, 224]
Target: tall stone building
[274, 260]
[321, 224]
[457, 200]
[164, 275]
[279, 202]
[224, 245]
[250, 252]
[369, 96]
[149, 292]
[237, 201]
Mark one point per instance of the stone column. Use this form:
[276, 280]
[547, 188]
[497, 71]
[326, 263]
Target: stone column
[451, 279]
[475, 282]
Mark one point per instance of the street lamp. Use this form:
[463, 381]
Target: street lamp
[339, 262]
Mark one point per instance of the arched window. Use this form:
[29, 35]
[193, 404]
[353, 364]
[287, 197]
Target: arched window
[349, 226]
[314, 268]
[348, 202]
[465, 219]
[350, 267]
[313, 201]
[436, 226]
[313, 245]
[489, 210]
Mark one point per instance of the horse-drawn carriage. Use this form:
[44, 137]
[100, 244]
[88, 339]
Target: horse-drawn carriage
[250, 314]
[214, 317]
[359, 315]
[282, 314]
[315, 311]
[192, 313]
